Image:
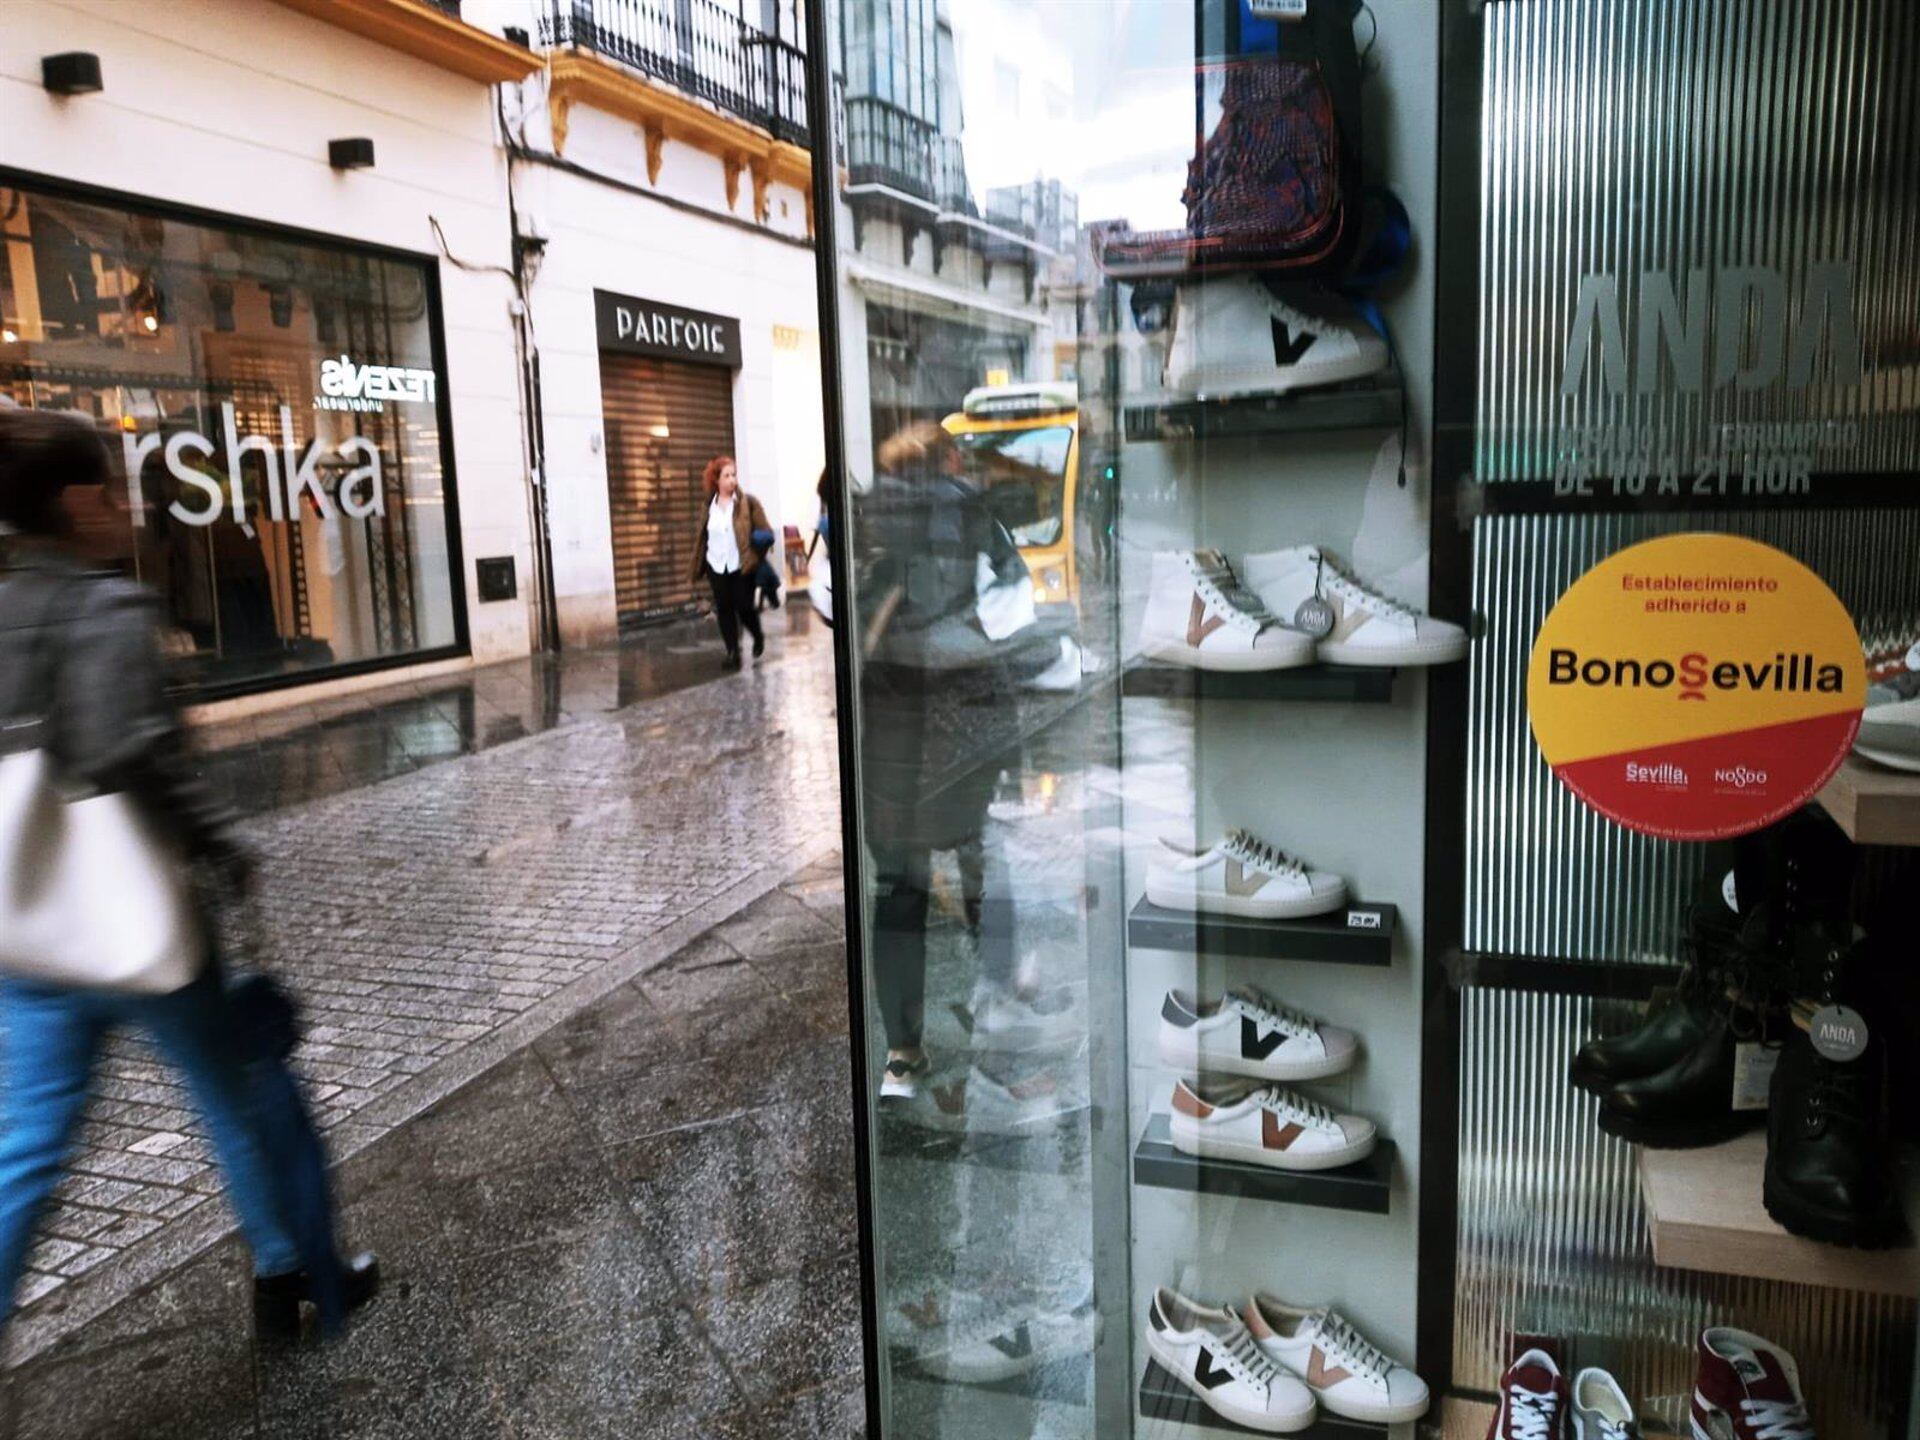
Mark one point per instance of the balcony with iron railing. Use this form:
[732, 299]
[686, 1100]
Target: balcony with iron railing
[707, 48]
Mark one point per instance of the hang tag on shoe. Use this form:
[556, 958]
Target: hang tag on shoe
[1753, 1067]
[1278, 9]
[1315, 617]
[1838, 1034]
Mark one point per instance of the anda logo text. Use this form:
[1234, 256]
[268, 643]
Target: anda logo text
[1696, 677]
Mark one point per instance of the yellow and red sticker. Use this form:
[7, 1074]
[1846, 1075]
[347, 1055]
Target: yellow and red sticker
[1697, 686]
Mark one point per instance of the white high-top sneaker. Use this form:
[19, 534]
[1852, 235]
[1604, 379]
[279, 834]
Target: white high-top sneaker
[1213, 1354]
[1242, 875]
[1348, 1374]
[1310, 589]
[1265, 1125]
[1200, 615]
[1234, 336]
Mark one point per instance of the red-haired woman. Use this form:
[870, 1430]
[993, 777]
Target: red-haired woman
[725, 553]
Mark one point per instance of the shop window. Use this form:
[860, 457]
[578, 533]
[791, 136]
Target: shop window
[274, 409]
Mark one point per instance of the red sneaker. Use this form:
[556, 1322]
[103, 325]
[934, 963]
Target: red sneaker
[1747, 1389]
[1534, 1400]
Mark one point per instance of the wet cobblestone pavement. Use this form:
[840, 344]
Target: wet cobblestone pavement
[450, 872]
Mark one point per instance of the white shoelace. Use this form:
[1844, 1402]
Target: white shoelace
[1532, 1415]
[1778, 1419]
[1352, 1349]
[1333, 578]
[1613, 1429]
[1250, 849]
[1295, 1107]
[1217, 583]
[1274, 1016]
[1245, 1358]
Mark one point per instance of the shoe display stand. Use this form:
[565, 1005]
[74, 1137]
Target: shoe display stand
[1704, 1212]
[1166, 1400]
[1339, 684]
[1376, 403]
[1358, 934]
[1366, 1186]
[1874, 805]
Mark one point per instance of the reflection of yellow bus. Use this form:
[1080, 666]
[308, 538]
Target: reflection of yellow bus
[1023, 442]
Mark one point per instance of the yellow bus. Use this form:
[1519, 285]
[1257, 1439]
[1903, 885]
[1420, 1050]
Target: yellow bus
[1023, 442]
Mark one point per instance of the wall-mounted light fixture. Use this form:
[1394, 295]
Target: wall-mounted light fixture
[76, 72]
[353, 153]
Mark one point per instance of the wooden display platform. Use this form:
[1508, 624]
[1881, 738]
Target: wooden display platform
[1874, 805]
[1366, 1185]
[1357, 934]
[1704, 1212]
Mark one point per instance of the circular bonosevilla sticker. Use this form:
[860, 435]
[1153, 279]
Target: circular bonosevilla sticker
[1696, 686]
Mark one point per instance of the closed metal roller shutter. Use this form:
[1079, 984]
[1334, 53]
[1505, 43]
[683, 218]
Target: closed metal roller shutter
[664, 422]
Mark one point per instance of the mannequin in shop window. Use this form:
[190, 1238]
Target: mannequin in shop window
[726, 553]
[946, 631]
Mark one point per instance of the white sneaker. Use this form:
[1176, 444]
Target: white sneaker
[1601, 1410]
[1200, 615]
[1242, 875]
[1245, 1033]
[1213, 1354]
[967, 1338]
[1893, 676]
[1004, 1019]
[974, 1103]
[1234, 336]
[1265, 1125]
[1346, 1372]
[901, 1078]
[1308, 588]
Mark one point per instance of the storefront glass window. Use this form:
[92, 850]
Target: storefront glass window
[274, 407]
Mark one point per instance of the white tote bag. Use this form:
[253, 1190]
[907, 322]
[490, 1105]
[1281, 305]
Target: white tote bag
[91, 894]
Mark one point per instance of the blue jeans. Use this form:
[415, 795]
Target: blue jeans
[272, 1159]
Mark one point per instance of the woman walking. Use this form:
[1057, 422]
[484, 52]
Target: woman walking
[726, 554]
[81, 672]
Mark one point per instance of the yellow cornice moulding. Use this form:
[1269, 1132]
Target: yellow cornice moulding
[416, 29]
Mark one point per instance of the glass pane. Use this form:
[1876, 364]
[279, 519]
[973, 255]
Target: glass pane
[275, 410]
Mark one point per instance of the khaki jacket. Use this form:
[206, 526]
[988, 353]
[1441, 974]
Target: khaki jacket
[748, 516]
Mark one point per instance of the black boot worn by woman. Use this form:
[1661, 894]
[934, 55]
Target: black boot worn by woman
[283, 1305]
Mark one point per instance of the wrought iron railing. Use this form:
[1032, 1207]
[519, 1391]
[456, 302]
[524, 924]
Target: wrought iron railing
[446, 7]
[890, 146]
[707, 48]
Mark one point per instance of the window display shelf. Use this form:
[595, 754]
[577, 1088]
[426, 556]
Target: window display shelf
[1874, 805]
[1371, 404]
[1164, 1398]
[1704, 1212]
[1361, 934]
[1336, 684]
[1365, 1186]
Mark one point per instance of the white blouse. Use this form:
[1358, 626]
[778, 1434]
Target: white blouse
[723, 547]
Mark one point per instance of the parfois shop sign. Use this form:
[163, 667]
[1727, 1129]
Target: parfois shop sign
[1697, 686]
[667, 332]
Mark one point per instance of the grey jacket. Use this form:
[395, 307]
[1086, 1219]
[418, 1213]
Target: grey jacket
[81, 650]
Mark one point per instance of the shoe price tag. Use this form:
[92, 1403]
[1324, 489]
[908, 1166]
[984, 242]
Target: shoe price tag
[1753, 1065]
[1278, 9]
[1314, 617]
[1838, 1034]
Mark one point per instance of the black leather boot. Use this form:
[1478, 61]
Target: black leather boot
[1690, 1102]
[1828, 1173]
[283, 1307]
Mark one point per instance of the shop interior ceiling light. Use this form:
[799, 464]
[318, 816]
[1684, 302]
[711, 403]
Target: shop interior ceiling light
[75, 72]
[352, 153]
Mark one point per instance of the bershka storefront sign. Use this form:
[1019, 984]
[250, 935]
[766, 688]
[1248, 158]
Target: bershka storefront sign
[291, 473]
[667, 332]
[1696, 686]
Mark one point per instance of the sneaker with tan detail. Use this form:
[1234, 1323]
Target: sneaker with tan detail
[975, 1102]
[1201, 616]
[1265, 1125]
[1348, 1374]
[1242, 875]
[1309, 588]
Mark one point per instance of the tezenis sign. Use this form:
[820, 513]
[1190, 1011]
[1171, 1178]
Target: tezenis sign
[1696, 686]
